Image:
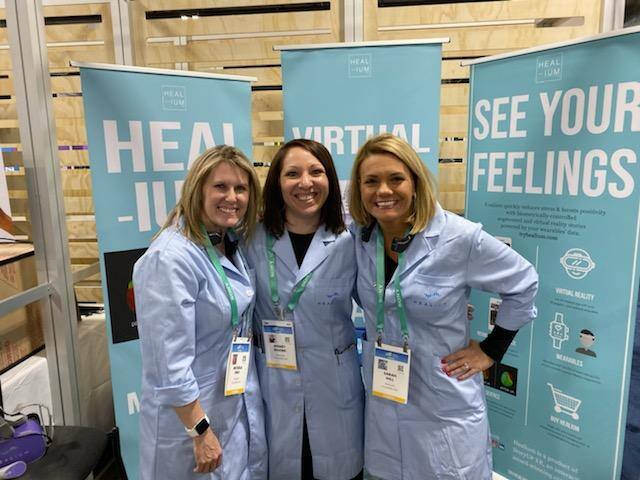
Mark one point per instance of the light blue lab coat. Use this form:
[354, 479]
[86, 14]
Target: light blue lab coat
[443, 432]
[184, 321]
[327, 385]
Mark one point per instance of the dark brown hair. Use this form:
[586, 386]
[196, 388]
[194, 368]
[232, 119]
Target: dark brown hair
[273, 207]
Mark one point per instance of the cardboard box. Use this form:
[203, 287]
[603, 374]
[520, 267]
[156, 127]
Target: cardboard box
[20, 330]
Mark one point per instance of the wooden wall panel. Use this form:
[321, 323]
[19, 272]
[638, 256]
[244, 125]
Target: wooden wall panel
[89, 41]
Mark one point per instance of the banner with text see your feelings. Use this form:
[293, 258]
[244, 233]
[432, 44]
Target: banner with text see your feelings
[144, 130]
[554, 141]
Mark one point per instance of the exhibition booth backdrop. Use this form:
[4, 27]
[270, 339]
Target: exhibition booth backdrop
[145, 125]
[144, 128]
[553, 161]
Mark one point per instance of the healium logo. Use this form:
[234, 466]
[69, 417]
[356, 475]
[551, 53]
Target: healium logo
[174, 97]
[549, 68]
[360, 65]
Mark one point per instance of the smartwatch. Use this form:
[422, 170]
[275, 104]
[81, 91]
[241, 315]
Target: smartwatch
[199, 428]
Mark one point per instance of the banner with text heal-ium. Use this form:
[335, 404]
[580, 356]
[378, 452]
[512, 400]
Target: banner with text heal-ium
[144, 129]
[554, 142]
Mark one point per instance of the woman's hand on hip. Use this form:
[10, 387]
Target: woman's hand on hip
[466, 362]
[207, 452]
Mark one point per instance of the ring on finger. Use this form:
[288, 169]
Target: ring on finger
[466, 366]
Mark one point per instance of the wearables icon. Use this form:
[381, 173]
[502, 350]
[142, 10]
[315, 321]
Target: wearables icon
[558, 331]
[577, 263]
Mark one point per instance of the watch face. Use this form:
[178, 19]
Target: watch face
[202, 426]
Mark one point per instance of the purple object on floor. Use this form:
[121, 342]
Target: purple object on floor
[28, 444]
[13, 470]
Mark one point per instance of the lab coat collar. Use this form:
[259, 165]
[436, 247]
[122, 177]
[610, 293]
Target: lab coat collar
[236, 267]
[284, 251]
[421, 245]
[318, 251]
[436, 233]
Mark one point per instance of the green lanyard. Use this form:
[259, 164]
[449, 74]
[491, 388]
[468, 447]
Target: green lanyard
[380, 288]
[213, 256]
[298, 289]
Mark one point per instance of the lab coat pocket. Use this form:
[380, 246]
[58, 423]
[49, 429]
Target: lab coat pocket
[455, 398]
[348, 375]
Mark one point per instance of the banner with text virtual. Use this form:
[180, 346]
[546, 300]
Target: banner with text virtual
[554, 143]
[144, 128]
[342, 96]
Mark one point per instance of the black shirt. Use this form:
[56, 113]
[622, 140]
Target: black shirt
[300, 243]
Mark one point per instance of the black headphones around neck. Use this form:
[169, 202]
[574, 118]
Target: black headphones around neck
[215, 237]
[230, 246]
[398, 245]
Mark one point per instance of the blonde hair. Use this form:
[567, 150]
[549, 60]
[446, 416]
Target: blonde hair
[189, 207]
[424, 204]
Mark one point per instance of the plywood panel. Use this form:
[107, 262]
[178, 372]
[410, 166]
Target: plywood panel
[264, 75]
[73, 157]
[8, 107]
[453, 149]
[81, 32]
[71, 134]
[183, 4]
[452, 201]
[73, 205]
[264, 154]
[68, 107]
[66, 84]
[266, 101]
[89, 294]
[81, 227]
[245, 24]
[228, 50]
[480, 41]
[484, 11]
[83, 252]
[61, 57]
[451, 69]
[454, 94]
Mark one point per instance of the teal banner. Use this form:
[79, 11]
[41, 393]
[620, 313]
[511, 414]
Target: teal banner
[144, 129]
[342, 96]
[554, 141]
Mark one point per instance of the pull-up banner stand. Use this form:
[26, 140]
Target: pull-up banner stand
[144, 128]
[342, 94]
[554, 145]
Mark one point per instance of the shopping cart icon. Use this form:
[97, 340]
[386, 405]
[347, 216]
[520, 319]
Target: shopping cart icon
[565, 403]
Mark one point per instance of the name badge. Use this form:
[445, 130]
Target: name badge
[279, 344]
[391, 373]
[235, 381]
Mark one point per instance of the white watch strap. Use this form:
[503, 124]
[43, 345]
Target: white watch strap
[192, 432]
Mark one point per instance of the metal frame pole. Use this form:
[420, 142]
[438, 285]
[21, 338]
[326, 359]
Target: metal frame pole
[121, 32]
[25, 24]
[612, 15]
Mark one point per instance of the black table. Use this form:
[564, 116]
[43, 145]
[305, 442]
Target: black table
[74, 453]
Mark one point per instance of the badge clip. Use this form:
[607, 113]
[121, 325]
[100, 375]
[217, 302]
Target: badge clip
[379, 339]
[405, 344]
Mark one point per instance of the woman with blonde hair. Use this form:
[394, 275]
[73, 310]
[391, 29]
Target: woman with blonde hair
[425, 411]
[201, 412]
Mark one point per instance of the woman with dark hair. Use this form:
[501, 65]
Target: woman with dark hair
[307, 359]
